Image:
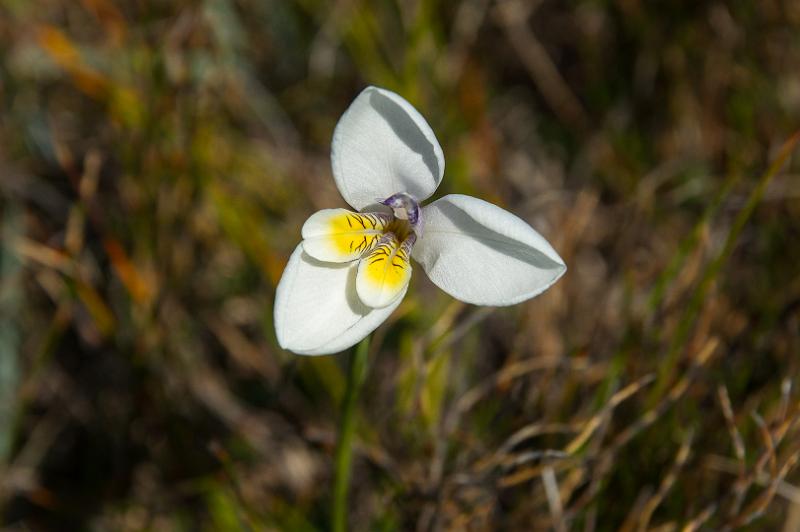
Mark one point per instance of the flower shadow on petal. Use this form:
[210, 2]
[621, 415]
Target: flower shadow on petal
[351, 296]
[405, 129]
[497, 241]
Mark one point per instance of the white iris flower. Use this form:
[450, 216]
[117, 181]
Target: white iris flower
[352, 268]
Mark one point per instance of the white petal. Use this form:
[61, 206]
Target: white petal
[481, 254]
[317, 311]
[382, 146]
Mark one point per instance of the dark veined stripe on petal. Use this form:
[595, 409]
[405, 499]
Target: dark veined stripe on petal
[339, 235]
[384, 273]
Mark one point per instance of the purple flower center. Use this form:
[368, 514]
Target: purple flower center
[405, 207]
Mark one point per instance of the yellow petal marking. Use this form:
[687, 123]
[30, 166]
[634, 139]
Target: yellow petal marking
[339, 235]
[385, 271]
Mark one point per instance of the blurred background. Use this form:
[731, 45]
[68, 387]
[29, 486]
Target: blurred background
[158, 158]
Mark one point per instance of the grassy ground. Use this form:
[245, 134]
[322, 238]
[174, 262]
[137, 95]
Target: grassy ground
[157, 160]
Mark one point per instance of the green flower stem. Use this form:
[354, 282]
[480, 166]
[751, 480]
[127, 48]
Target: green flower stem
[344, 447]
